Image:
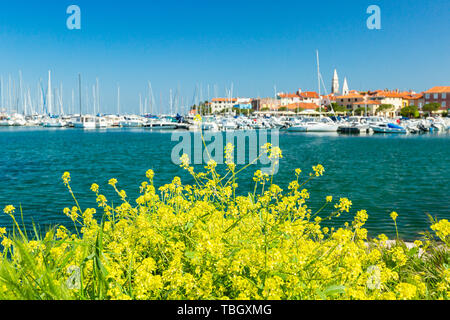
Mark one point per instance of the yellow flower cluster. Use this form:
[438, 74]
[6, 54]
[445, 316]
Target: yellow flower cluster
[442, 229]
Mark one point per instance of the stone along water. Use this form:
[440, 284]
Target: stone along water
[379, 173]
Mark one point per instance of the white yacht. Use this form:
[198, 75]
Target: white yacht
[162, 124]
[5, 121]
[228, 124]
[322, 124]
[18, 120]
[296, 125]
[85, 122]
[131, 122]
[355, 124]
[101, 122]
[53, 123]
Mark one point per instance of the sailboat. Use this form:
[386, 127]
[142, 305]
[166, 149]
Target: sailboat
[84, 121]
[5, 121]
[323, 124]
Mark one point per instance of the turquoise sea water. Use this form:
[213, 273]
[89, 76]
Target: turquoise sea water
[379, 173]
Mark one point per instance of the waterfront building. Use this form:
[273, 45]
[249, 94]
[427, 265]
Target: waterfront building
[262, 104]
[328, 99]
[349, 99]
[310, 97]
[394, 98]
[222, 104]
[299, 97]
[439, 95]
[243, 103]
[414, 99]
[288, 98]
[300, 106]
[369, 106]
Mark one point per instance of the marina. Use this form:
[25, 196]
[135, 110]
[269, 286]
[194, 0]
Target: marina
[348, 124]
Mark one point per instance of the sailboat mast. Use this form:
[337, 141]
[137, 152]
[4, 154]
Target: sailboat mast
[318, 80]
[49, 94]
[97, 95]
[72, 109]
[1, 89]
[21, 97]
[118, 100]
[170, 101]
[61, 99]
[94, 98]
[152, 99]
[79, 90]
[9, 94]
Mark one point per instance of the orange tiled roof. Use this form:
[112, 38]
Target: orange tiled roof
[388, 94]
[350, 96]
[367, 102]
[416, 96]
[300, 105]
[288, 95]
[438, 90]
[309, 94]
[330, 97]
[224, 99]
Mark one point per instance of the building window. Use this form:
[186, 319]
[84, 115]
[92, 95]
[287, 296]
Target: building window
[436, 96]
[444, 96]
[427, 96]
[443, 104]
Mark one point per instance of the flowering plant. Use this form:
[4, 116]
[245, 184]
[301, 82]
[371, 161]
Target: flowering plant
[202, 241]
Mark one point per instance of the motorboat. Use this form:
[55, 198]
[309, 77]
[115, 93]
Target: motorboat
[53, 123]
[295, 125]
[5, 121]
[18, 120]
[355, 124]
[131, 122]
[161, 124]
[228, 124]
[322, 124]
[85, 122]
[101, 123]
[387, 128]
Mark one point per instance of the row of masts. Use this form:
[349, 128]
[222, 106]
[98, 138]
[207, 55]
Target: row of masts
[44, 101]
[21, 99]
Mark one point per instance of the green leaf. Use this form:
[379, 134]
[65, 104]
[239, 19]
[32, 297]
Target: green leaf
[189, 225]
[413, 252]
[334, 290]
[189, 254]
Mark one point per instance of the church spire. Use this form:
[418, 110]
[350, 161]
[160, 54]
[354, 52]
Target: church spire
[335, 83]
[345, 87]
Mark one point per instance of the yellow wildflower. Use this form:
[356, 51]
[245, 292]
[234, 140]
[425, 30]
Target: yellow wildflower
[94, 187]
[9, 209]
[394, 215]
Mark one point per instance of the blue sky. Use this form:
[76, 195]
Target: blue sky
[254, 45]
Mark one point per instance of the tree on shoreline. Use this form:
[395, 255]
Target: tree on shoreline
[410, 112]
[431, 107]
